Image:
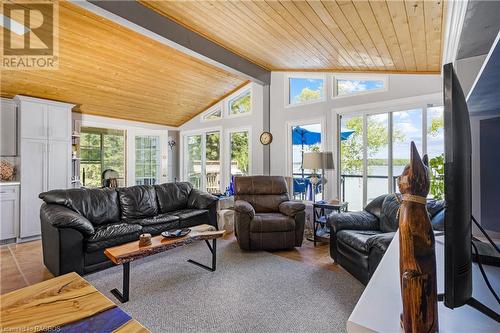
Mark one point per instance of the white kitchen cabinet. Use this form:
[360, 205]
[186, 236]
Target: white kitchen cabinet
[9, 210]
[8, 130]
[45, 155]
[34, 163]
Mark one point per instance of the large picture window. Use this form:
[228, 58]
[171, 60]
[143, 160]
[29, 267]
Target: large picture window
[147, 160]
[101, 149]
[372, 155]
[303, 90]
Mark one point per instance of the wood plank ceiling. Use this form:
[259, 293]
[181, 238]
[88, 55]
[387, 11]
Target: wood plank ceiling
[109, 70]
[377, 35]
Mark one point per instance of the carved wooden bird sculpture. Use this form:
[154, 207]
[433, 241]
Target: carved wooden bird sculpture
[417, 256]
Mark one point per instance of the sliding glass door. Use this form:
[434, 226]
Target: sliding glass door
[375, 147]
[202, 165]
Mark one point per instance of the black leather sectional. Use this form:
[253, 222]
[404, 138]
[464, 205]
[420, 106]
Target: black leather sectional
[358, 240]
[78, 224]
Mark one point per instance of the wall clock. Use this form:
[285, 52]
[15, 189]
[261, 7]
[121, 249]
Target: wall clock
[266, 138]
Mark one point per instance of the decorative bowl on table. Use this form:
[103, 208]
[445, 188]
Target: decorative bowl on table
[176, 233]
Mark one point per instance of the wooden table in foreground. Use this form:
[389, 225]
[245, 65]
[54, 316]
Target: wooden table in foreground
[67, 303]
[125, 253]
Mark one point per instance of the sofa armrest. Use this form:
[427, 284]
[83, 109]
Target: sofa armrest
[353, 221]
[201, 200]
[62, 217]
[243, 207]
[291, 208]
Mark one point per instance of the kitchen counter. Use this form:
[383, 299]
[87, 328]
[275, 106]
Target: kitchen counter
[12, 182]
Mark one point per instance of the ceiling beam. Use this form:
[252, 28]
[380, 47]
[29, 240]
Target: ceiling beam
[145, 21]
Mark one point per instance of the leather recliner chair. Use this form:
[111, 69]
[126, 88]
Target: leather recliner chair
[358, 240]
[265, 218]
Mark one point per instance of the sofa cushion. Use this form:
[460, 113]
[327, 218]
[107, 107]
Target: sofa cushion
[158, 219]
[271, 222]
[375, 206]
[137, 202]
[173, 196]
[357, 239]
[389, 221]
[190, 217]
[112, 234]
[98, 205]
[437, 221]
[434, 206]
[380, 242]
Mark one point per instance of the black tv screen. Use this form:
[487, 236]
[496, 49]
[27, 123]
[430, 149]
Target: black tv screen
[458, 193]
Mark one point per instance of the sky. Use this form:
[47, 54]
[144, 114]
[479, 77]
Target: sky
[297, 84]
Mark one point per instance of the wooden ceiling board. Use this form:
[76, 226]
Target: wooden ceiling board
[109, 70]
[298, 35]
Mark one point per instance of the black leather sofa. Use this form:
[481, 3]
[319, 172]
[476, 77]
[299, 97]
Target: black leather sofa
[358, 240]
[78, 224]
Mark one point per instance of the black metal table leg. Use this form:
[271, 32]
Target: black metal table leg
[213, 249]
[123, 297]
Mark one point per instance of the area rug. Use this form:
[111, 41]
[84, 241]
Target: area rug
[249, 292]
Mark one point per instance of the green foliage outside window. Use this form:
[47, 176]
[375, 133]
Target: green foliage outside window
[352, 148]
[308, 94]
[239, 151]
[241, 104]
[436, 164]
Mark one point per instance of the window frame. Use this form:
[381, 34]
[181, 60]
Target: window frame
[212, 109]
[336, 78]
[420, 102]
[234, 96]
[183, 152]
[227, 150]
[159, 151]
[313, 76]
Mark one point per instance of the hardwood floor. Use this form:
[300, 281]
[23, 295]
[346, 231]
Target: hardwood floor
[21, 265]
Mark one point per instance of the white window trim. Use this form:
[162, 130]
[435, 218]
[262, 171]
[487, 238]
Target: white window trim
[422, 102]
[227, 152]
[384, 78]
[235, 95]
[288, 131]
[287, 77]
[182, 152]
[212, 109]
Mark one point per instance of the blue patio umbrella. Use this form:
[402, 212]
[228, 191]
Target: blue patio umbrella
[344, 135]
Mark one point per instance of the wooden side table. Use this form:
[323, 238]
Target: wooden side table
[320, 216]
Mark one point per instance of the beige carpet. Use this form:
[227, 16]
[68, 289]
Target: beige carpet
[249, 292]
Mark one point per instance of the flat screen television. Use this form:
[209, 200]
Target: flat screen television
[458, 195]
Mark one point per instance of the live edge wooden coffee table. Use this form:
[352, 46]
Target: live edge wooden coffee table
[125, 253]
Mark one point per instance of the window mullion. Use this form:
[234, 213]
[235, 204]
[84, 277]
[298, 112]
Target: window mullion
[365, 158]
[424, 130]
[390, 170]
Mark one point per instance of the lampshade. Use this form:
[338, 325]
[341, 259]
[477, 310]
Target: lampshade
[312, 160]
[328, 160]
[318, 160]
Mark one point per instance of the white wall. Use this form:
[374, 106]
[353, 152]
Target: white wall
[132, 129]
[254, 121]
[400, 86]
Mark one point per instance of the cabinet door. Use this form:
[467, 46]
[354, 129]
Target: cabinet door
[8, 139]
[59, 123]
[9, 208]
[33, 120]
[33, 182]
[59, 161]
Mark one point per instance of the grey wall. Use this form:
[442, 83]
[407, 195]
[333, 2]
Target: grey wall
[173, 157]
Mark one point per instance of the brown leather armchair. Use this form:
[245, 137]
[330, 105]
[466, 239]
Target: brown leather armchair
[265, 218]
